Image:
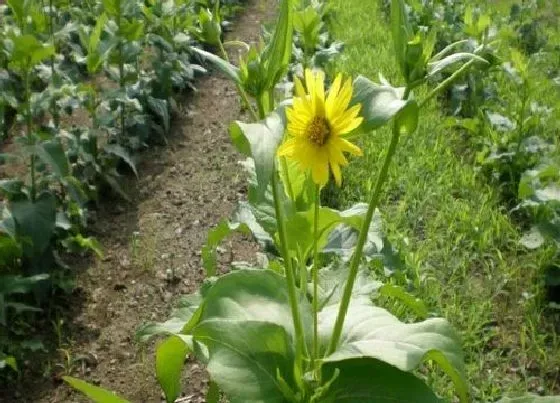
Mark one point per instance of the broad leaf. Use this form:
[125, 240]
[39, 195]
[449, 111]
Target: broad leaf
[439, 66]
[372, 332]
[215, 237]
[123, 154]
[95, 393]
[263, 139]
[246, 357]
[36, 222]
[53, 155]
[253, 295]
[379, 102]
[170, 358]
[371, 381]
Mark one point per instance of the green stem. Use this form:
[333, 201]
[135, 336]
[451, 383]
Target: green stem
[357, 257]
[284, 163]
[121, 73]
[292, 291]
[240, 89]
[29, 130]
[445, 83]
[520, 122]
[315, 276]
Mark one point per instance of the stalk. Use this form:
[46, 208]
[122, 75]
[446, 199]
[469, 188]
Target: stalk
[445, 83]
[29, 128]
[356, 258]
[292, 291]
[240, 90]
[121, 70]
[315, 276]
[54, 110]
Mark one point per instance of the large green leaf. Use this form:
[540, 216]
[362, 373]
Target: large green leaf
[379, 102]
[247, 358]
[28, 52]
[35, 223]
[371, 381]
[370, 331]
[170, 358]
[263, 139]
[52, 154]
[253, 295]
[95, 393]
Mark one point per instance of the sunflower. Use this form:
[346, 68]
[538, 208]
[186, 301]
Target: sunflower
[316, 125]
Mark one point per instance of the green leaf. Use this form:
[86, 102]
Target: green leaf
[253, 295]
[410, 301]
[53, 155]
[8, 361]
[215, 237]
[161, 108]
[95, 393]
[380, 103]
[20, 285]
[170, 359]
[401, 32]
[36, 222]
[245, 357]
[213, 394]
[263, 139]
[28, 52]
[279, 51]
[406, 119]
[225, 67]
[372, 332]
[183, 318]
[11, 187]
[439, 66]
[365, 380]
[123, 154]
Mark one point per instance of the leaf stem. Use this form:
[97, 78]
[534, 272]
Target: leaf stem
[292, 291]
[315, 276]
[445, 83]
[357, 257]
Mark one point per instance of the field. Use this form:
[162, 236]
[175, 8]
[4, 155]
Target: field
[279, 201]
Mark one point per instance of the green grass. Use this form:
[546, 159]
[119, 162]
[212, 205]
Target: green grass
[459, 243]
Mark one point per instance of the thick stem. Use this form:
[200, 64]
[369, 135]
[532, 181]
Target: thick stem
[290, 280]
[315, 276]
[357, 257]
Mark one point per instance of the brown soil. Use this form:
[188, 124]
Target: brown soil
[152, 247]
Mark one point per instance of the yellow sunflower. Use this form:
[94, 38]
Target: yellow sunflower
[316, 125]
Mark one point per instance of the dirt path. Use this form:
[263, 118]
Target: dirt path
[185, 189]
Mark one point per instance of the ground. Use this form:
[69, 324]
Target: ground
[152, 247]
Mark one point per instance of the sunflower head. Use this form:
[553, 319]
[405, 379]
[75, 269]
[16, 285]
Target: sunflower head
[317, 123]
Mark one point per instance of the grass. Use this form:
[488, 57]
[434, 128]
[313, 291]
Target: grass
[460, 246]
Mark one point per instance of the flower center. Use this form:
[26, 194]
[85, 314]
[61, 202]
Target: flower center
[318, 131]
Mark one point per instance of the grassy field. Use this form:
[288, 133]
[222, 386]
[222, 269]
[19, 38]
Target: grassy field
[460, 246]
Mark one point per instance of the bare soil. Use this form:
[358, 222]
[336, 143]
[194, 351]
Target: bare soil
[152, 248]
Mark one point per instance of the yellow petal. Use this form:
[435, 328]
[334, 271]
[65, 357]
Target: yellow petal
[346, 146]
[333, 95]
[320, 174]
[287, 149]
[300, 89]
[335, 168]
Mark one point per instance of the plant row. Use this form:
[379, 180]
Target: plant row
[85, 86]
[509, 113]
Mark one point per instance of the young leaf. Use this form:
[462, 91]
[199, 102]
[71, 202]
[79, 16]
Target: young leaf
[263, 139]
[225, 67]
[401, 31]
[170, 358]
[278, 53]
[95, 393]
